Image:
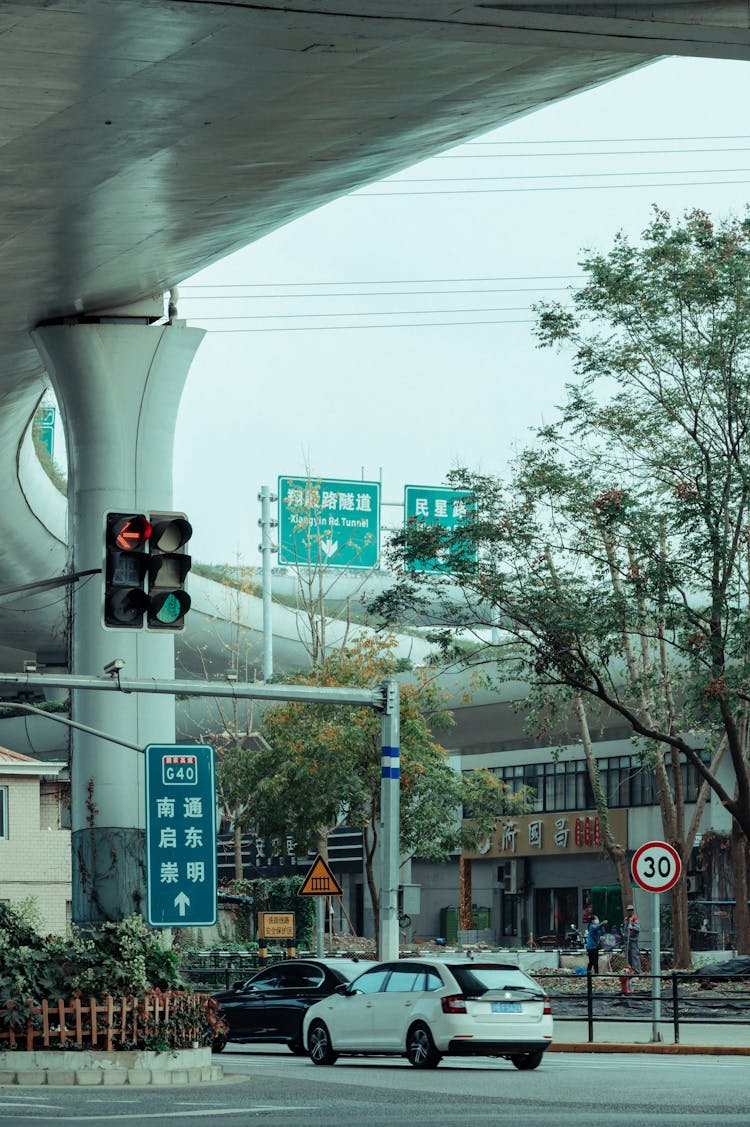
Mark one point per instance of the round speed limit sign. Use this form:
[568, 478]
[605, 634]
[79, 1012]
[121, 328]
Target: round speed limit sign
[656, 866]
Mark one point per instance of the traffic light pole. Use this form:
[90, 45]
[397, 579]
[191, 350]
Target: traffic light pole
[384, 699]
[118, 378]
[390, 812]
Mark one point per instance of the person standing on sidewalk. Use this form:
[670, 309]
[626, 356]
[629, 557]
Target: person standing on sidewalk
[631, 930]
[593, 943]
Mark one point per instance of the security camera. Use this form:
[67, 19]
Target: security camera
[115, 666]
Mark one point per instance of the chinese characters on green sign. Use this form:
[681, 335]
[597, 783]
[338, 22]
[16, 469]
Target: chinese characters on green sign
[435, 505]
[329, 522]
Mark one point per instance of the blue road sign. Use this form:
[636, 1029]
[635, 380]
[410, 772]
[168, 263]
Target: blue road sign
[181, 880]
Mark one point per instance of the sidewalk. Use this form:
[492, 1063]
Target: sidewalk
[635, 1037]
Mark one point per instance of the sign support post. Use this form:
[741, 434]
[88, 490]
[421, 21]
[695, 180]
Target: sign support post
[390, 813]
[656, 867]
[656, 969]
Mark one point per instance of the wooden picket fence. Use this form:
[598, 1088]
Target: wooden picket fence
[105, 1025]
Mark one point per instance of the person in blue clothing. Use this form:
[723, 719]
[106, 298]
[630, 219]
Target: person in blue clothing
[594, 942]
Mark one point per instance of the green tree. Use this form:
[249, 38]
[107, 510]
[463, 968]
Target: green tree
[230, 725]
[323, 767]
[616, 554]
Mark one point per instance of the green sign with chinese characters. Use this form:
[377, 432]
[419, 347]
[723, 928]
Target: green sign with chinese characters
[181, 869]
[329, 522]
[431, 505]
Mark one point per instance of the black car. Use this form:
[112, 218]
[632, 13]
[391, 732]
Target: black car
[270, 1006]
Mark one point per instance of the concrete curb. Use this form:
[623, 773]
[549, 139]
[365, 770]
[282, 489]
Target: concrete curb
[656, 1048]
[91, 1068]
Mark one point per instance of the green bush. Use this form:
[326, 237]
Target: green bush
[118, 959]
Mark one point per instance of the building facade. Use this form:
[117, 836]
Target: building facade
[35, 860]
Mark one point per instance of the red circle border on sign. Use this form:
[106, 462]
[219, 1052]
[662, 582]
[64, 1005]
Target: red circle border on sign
[675, 857]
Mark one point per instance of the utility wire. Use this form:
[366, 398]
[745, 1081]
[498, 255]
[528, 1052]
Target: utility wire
[358, 313]
[380, 282]
[562, 176]
[347, 328]
[619, 140]
[587, 153]
[370, 293]
[556, 188]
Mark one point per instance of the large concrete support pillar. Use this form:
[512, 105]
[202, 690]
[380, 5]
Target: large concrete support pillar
[118, 384]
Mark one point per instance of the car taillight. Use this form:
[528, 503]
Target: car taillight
[547, 1006]
[454, 1004]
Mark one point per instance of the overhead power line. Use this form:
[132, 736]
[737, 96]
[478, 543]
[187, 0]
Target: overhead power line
[619, 140]
[380, 282]
[370, 293]
[352, 328]
[563, 176]
[590, 153]
[555, 188]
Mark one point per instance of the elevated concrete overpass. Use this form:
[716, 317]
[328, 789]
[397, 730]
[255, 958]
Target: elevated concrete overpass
[141, 140]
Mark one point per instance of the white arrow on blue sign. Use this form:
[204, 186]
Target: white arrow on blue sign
[181, 869]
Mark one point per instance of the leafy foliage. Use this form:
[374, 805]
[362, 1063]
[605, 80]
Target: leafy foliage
[615, 555]
[120, 959]
[276, 895]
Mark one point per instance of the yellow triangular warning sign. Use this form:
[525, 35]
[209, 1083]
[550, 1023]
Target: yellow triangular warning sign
[320, 881]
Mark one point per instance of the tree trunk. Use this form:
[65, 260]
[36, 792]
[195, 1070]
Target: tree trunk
[370, 841]
[465, 915]
[739, 849]
[680, 929]
[237, 848]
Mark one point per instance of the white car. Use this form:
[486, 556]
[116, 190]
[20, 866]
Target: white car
[425, 1009]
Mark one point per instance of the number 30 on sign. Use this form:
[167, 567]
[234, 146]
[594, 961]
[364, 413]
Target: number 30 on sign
[656, 866]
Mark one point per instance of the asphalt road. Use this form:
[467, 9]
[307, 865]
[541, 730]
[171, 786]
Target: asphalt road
[273, 1087]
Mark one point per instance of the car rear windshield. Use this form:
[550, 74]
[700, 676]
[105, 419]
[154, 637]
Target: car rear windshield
[477, 979]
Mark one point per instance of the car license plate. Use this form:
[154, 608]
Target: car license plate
[506, 1007]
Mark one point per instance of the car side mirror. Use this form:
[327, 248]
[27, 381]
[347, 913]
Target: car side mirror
[238, 985]
[345, 989]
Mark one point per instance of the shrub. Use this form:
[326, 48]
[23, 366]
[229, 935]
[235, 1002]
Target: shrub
[118, 959]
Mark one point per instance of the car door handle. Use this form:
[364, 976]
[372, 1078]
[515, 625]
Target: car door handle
[407, 1004]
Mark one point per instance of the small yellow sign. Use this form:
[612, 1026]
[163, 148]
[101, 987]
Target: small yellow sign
[320, 881]
[276, 925]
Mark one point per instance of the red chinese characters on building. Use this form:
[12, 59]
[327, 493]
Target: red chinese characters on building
[588, 831]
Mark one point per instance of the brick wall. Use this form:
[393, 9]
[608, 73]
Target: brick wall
[35, 856]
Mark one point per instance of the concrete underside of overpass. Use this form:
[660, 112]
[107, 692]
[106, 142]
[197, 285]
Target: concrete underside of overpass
[142, 140]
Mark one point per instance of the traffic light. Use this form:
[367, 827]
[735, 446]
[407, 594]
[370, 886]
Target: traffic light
[126, 565]
[168, 566]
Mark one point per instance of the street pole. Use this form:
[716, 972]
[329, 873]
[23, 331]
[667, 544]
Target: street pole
[656, 969]
[267, 547]
[320, 925]
[390, 813]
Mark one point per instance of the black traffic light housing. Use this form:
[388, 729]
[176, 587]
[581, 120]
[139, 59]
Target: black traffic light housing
[168, 566]
[125, 568]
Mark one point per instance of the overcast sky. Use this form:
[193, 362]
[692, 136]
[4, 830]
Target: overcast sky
[388, 336]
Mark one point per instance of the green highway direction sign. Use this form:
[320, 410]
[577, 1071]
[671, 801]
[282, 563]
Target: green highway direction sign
[329, 522]
[431, 505]
[181, 873]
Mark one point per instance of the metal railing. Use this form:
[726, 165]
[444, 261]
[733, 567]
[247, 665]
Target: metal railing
[729, 1006]
[216, 971]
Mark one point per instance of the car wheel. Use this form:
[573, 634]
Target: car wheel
[319, 1045]
[526, 1061]
[420, 1048]
[297, 1048]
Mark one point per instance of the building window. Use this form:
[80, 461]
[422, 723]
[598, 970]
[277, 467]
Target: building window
[3, 812]
[625, 780]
